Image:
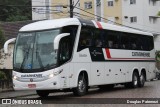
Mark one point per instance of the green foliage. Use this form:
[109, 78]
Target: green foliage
[158, 56]
[158, 13]
[2, 76]
[11, 11]
[2, 37]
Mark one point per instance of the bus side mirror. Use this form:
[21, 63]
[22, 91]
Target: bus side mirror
[7, 43]
[58, 38]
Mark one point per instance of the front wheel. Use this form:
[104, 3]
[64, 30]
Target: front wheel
[42, 93]
[81, 88]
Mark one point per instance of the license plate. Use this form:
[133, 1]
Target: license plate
[31, 85]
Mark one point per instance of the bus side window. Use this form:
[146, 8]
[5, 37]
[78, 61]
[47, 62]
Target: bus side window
[98, 38]
[124, 41]
[85, 39]
[133, 42]
[112, 40]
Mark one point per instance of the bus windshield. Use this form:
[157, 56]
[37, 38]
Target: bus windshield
[34, 51]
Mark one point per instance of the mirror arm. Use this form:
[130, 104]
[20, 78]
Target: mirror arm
[58, 38]
[5, 47]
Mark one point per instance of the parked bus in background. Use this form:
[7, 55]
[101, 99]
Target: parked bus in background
[75, 54]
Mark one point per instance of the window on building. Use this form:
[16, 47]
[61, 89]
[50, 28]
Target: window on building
[58, 8]
[98, 2]
[87, 5]
[133, 19]
[132, 1]
[110, 3]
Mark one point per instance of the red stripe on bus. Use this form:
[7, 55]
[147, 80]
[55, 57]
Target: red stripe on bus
[99, 25]
[108, 53]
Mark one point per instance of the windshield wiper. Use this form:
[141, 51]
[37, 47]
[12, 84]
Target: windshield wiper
[25, 56]
[39, 60]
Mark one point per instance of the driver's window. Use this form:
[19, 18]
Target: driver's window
[64, 50]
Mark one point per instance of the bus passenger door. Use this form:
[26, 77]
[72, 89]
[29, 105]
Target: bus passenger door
[63, 58]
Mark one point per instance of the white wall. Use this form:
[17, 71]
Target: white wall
[38, 13]
[131, 10]
[142, 9]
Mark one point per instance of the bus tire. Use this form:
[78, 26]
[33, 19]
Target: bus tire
[141, 80]
[134, 83]
[81, 88]
[42, 93]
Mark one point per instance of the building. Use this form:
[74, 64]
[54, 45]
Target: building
[53, 9]
[140, 14]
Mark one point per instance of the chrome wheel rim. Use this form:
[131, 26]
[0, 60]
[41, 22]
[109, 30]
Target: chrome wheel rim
[135, 80]
[81, 86]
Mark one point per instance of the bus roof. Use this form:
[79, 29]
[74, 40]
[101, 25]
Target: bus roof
[57, 23]
[50, 24]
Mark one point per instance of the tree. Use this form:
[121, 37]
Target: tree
[10, 11]
[158, 13]
[2, 38]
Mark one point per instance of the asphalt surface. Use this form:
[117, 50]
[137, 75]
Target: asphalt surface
[95, 96]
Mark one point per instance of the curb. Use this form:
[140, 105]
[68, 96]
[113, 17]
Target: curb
[6, 90]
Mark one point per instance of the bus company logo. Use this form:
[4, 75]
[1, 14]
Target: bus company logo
[32, 76]
[31, 80]
[82, 55]
[143, 54]
[95, 53]
[6, 101]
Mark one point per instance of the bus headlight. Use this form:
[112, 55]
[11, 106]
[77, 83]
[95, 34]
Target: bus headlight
[55, 73]
[51, 75]
[15, 77]
[58, 72]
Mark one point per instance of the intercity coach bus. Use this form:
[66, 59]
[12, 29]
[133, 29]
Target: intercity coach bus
[76, 54]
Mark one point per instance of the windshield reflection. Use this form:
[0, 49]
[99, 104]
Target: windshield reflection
[35, 51]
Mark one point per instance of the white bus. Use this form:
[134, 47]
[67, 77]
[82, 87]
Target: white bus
[73, 54]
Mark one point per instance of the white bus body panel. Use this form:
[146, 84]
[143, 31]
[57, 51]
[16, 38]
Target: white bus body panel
[99, 73]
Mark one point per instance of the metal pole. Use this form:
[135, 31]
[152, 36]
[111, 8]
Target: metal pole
[71, 9]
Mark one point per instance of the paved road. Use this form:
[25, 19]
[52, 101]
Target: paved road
[150, 90]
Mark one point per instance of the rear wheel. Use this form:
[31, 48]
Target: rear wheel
[42, 93]
[134, 83]
[81, 88]
[141, 80]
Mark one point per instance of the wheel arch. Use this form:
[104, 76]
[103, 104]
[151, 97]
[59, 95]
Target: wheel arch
[85, 73]
[136, 70]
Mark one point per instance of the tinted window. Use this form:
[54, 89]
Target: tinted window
[85, 39]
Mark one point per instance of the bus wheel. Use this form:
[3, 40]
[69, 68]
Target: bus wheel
[42, 93]
[135, 79]
[81, 88]
[141, 80]
[134, 83]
